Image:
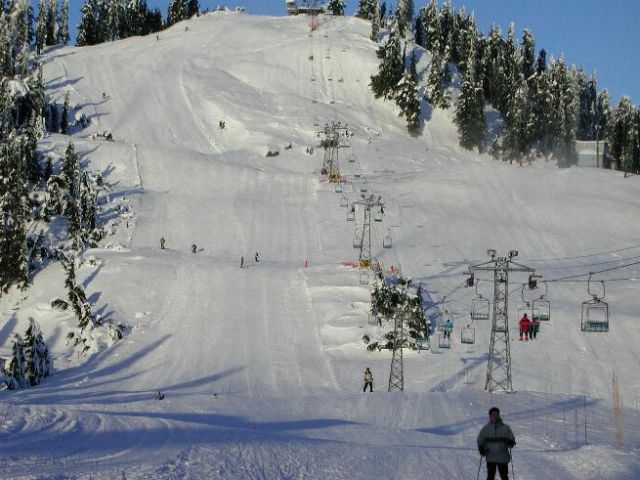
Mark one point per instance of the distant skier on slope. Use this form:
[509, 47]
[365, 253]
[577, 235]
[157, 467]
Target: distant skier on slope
[241, 262]
[368, 380]
[162, 243]
[256, 257]
[495, 441]
[194, 249]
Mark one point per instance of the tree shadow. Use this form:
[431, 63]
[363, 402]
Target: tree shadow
[7, 328]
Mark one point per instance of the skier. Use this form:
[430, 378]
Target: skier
[160, 396]
[524, 327]
[194, 249]
[534, 328]
[241, 262]
[368, 380]
[495, 441]
[161, 243]
[448, 328]
[256, 257]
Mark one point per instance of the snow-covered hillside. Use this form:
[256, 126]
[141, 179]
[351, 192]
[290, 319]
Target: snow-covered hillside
[262, 366]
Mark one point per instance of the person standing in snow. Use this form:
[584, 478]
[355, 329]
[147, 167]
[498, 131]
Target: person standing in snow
[241, 262]
[256, 257]
[368, 380]
[495, 441]
[194, 249]
[161, 243]
[525, 323]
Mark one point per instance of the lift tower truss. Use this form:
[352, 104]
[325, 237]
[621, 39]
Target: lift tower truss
[365, 260]
[336, 136]
[499, 364]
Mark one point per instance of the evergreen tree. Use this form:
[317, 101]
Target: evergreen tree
[176, 12]
[52, 23]
[77, 301]
[528, 51]
[620, 139]
[588, 98]
[13, 217]
[494, 80]
[41, 29]
[63, 29]
[88, 209]
[390, 69]
[64, 122]
[436, 93]
[405, 12]
[192, 8]
[37, 359]
[18, 367]
[375, 23]
[336, 7]
[367, 9]
[92, 27]
[469, 116]
[431, 23]
[603, 115]
[71, 177]
[408, 98]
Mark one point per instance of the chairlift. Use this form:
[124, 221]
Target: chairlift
[423, 343]
[468, 335]
[363, 279]
[357, 240]
[377, 216]
[542, 307]
[444, 342]
[351, 214]
[595, 312]
[338, 187]
[387, 242]
[352, 158]
[480, 306]
[344, 201]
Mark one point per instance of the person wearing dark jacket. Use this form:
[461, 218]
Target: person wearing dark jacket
[495, 441]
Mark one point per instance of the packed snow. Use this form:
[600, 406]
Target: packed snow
[261, 366]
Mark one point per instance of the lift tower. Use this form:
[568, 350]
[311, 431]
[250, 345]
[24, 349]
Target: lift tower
[336, 136]
[499, 365]
[365, 260]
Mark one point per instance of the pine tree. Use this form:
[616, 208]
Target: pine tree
[335, 7]
[63, 21]
[37, 359]
[588, 98]
[528, 51]
[431, 22]
[18, 367]
[13, 217]
[494, 80]
[88, 210]
[177, 10]
[77, 301]
[366, 9]
[52, 23]
[408, 98]
[92, 28]
[405, 12]
[192, 8]
[390, 69]
[435, 86]
[71, 177]
[64, 122]
[469, 115]
[620, 138]
[41, 29]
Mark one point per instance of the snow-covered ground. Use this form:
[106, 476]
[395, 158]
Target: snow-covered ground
[262, 366]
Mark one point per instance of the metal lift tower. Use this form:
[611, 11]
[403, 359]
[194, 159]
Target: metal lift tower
[335, 138]
[365, 260]
[499, 365]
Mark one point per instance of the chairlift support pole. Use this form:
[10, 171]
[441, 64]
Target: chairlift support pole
[365, 245]
[336, 136]
[499, 378]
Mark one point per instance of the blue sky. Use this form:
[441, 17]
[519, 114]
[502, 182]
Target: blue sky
[601, 35]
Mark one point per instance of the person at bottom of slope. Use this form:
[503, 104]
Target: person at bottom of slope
[257, 258]
[495, 441]
[525, 323]
[448, 328]
[162, 241]
[368, 380]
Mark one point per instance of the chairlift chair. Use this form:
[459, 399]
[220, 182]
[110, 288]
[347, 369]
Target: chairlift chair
[377, 216]
[595, 312]
[468, 334]
[443, 342]
[542, 307]
[363, 189]
[357, 240]
[338, 187]
[352, 159]
[423, 344]
[480, 306]
[344, 201]
[386, 241]
[351, 214]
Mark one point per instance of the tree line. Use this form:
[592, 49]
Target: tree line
[544, 104]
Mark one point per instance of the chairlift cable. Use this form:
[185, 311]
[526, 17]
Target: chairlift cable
[594, 273]
[581, 256]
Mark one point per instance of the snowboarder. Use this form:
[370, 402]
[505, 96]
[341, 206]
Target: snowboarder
[221, 124]
[241, 262]
[524, 327]
[159, 396]
[256, 257]
[448, 328]
[368, 380]
[104, 95]
[534, 328]
[161, 243]
[194, 249]
[495, 441]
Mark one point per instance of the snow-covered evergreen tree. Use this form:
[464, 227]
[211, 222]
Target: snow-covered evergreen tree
[528, 52]
[469, 116]
[494, 80]
[405, 12]
[408, 98]
[71, 177]
[431, 24]
[13, 217]
[38, 362]
[436, 93]
[41, 28]
[18, 365]
[89, 210]
[52, 22]
[335, 7]
[390, 69]
[192, 8]
[620, 138]
[92, 28]
[366, 9]
[63, 22]
[176, 12]
[64, 121]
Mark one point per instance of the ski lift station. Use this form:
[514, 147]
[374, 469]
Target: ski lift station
[306, 7]
[591, 154]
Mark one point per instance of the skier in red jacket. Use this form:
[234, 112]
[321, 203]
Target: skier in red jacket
[525, 323]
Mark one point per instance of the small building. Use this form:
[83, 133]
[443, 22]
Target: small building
[306, 7]
[590, 153]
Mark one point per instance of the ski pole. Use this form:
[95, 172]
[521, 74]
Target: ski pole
[479, 467]
[513, 470]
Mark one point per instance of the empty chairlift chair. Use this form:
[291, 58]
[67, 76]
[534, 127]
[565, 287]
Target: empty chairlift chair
[443, 342]
[338, 187]
[542, 307]
[480, 306]
[386, 241]
[468, 335]
[351, 214]
[595, 312]
[344, 201]
[357, 239]
[377, 216]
